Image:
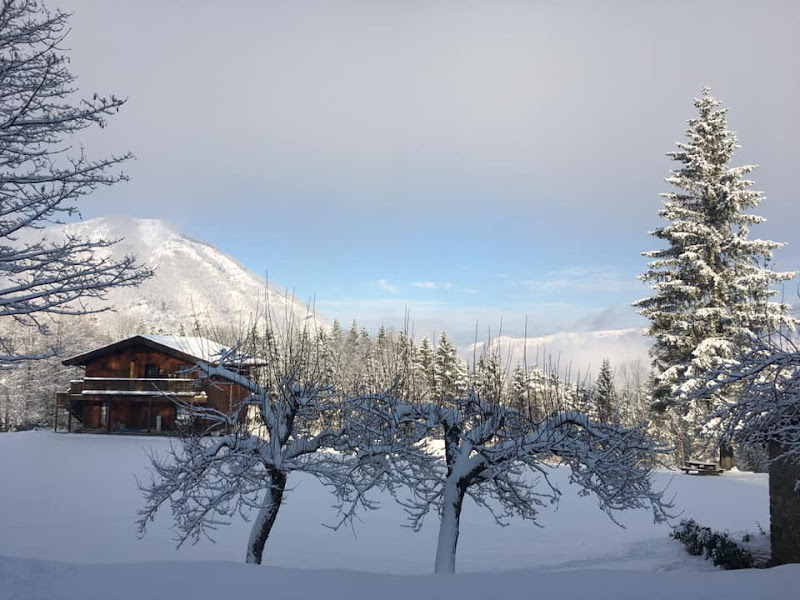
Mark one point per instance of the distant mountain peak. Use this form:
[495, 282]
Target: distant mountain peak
[194, 281]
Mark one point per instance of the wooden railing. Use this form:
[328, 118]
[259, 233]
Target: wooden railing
[136, 386]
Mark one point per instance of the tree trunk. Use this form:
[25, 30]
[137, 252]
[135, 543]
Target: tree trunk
[726, 461]
[448, 527]
[266, 517]
[784, 508]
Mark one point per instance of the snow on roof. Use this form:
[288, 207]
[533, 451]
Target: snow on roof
[193, 348]
[198, 347]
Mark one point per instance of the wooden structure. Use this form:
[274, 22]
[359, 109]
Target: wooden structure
[700, 467]
[137, 385]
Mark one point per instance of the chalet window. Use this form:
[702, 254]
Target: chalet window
[150, 370]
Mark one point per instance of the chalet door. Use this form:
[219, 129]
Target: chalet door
[138, 416]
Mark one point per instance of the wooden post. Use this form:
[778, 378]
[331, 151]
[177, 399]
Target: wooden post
[149, 412]
[69, 415]
[108, 416]
[726, 459]
[55, 420]
[784, 507]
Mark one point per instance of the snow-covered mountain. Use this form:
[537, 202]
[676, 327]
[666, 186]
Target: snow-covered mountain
[574, 351]
[193, 280]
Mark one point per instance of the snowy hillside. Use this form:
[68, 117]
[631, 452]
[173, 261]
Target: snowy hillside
[66, 531]
[192, 278]
[573, 351]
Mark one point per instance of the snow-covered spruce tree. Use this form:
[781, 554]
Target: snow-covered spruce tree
[283, 425]
[712, 286]
[423, 372]
[41, 178]
[499, 458]
[604, 397]
[764, 411]
[519, 395]
[489, 375]
[450, 373]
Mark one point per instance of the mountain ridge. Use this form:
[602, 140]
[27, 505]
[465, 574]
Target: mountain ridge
[196, 282]
[193, 281]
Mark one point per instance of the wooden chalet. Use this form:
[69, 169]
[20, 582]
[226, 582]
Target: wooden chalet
[136, 386]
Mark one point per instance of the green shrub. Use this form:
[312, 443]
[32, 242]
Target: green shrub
[719, 547]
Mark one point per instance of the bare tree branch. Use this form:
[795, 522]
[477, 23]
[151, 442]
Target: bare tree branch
[41, 179]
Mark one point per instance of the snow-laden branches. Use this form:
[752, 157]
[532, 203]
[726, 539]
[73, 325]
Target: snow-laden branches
[713, 288]
[285, 423]
[41, 177]
[757, 395]
[499, 458]
[429, 455]
[765, 408]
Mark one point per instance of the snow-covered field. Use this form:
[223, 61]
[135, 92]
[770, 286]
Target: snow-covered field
[68, 504]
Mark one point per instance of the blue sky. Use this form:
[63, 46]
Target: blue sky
[465, 161]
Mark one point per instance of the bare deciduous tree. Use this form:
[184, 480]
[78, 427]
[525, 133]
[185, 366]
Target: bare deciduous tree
[496, 456]
[758, 396]
[42, 176]
[281, 427]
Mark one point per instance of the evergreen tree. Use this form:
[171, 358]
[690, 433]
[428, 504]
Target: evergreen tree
[450, 372]
[366, 359]
[711, 283]
[404, 355]
[490, 377]
[519, 393]
[424, 369]
[604, 394]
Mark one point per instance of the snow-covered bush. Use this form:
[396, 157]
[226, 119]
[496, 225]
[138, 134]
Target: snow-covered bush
[716, 546]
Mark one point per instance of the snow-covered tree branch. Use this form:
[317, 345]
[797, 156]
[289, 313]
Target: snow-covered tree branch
[283, 425]
[765, 410]
[42, 177]
[758, 405]
[500, 459]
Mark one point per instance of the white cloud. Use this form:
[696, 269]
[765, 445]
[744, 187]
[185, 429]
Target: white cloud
[384, 285]
[573, 352]
[433, 285]
[583, 280]
[465, 324]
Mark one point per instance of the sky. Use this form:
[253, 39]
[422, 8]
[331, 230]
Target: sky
[484, 167]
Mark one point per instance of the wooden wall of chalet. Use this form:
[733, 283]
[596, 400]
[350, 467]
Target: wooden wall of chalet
[132, 361]
[129, 415]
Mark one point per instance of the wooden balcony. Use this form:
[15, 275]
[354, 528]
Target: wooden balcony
[137, 388]
[126, 405]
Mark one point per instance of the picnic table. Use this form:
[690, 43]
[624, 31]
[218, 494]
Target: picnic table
[701, 467]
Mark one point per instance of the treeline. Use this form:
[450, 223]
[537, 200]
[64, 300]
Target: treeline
[351, 359]
[354, 359]
[28, 387]
[427, 370]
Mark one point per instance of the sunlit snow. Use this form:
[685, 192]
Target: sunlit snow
[73, 499]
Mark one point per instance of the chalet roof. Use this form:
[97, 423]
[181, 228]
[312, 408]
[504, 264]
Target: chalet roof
[191, 349]
[198, 347]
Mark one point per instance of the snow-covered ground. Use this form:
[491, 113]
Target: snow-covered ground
[68, 505]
